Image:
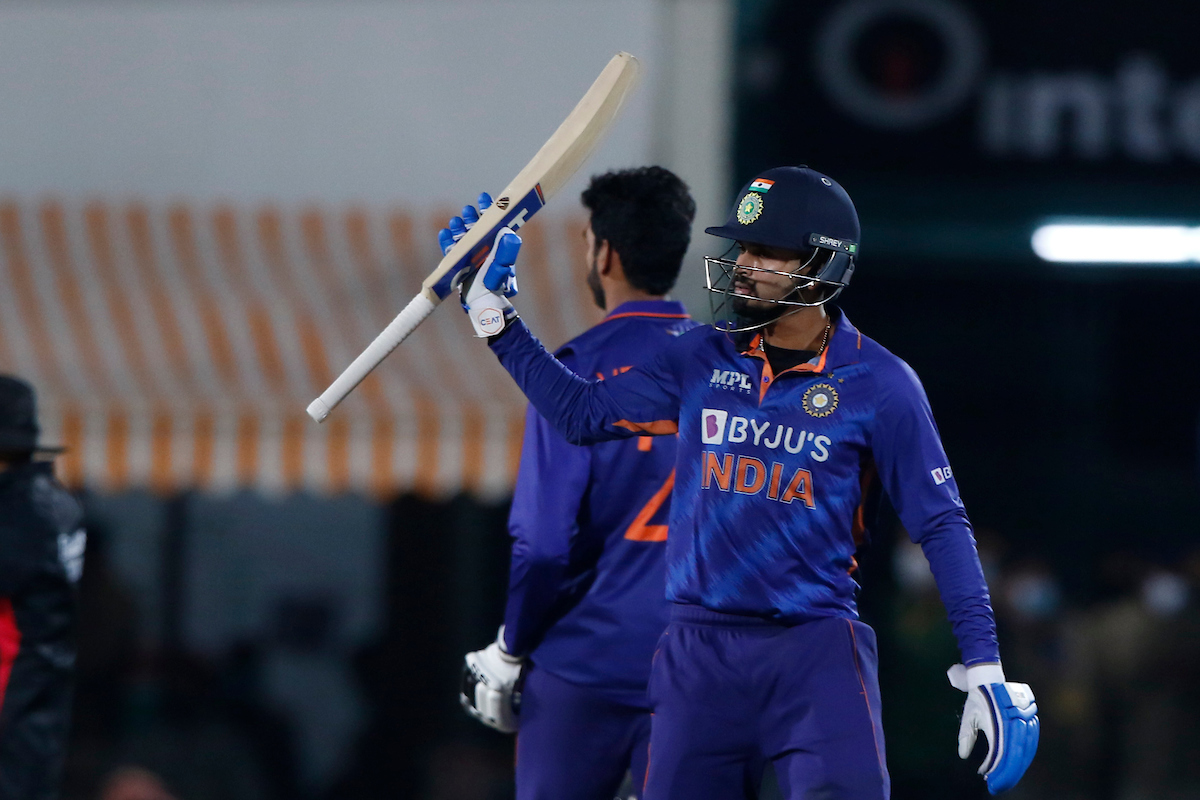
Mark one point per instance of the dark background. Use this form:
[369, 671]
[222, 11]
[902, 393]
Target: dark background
[1067, 396]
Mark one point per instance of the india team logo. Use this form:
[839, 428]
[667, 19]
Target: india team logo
[750, 208]
[820, 400]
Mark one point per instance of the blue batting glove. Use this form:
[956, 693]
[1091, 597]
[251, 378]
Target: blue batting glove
[499, 274]
[502, 279]
[1006, 714]
[485, 295]
[458, 227]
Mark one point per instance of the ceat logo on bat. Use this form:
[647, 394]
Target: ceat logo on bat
[491, 321]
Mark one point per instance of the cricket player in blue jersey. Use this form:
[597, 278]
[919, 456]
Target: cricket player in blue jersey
[586, 602]
[785, 414]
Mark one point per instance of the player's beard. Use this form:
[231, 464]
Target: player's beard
[755, 312]
[593, 282]
[752, 311]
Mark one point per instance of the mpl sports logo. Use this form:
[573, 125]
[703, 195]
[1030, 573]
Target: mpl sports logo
[731, 381]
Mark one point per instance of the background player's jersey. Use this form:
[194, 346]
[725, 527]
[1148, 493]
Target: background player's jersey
[772, 470]
[589, 523]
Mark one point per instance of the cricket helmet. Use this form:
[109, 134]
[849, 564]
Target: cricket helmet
[798, 209]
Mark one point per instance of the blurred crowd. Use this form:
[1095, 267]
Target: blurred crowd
[1114, 673]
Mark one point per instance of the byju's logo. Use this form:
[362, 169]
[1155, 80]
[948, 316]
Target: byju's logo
[941, 475]
[718, 428]
[728, 379]
[714, 420]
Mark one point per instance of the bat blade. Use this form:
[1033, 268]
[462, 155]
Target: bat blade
[545, 174]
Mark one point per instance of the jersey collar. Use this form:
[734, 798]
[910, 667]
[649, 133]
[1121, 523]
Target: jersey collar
[845, 347]
[670, 309]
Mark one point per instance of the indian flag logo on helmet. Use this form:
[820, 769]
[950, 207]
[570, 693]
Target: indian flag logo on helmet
[761, 185]
[750, 208]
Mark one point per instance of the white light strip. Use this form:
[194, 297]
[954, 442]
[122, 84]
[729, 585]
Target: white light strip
[1097, 243]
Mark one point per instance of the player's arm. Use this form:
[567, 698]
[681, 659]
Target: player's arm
[640, 401]
[915, 473]
[551, 485]
[907, 451]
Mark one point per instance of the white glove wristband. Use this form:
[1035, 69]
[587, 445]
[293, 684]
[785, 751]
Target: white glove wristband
[1005, 713]
[488, 311]
[966, 678]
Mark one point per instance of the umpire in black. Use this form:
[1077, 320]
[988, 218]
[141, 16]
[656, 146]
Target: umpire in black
[41, 558]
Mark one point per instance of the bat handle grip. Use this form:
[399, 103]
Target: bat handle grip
[396, 332]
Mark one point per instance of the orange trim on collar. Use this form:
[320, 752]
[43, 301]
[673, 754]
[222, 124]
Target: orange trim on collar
[769, 377]
[644, 314]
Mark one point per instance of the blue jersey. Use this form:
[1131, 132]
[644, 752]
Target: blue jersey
[772, 470]
[589, 523]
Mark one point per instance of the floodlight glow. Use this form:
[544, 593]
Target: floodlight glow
[1109, 243]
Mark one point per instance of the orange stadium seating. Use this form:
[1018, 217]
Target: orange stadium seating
[176, 346]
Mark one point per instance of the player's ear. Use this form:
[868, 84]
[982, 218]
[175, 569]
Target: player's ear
[608, 260]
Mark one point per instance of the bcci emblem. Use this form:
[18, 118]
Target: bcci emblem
[750, 208]
[820, 400]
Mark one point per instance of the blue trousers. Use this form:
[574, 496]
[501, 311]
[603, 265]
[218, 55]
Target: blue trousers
[575, 743]
[731, 693]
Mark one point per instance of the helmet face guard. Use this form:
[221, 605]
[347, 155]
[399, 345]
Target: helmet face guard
[828, 270]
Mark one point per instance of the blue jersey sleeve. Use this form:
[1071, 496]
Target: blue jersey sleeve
[916, 475]
[644, 400]
[551, 484]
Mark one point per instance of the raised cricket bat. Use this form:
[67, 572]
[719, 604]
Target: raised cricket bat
[553, 165]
